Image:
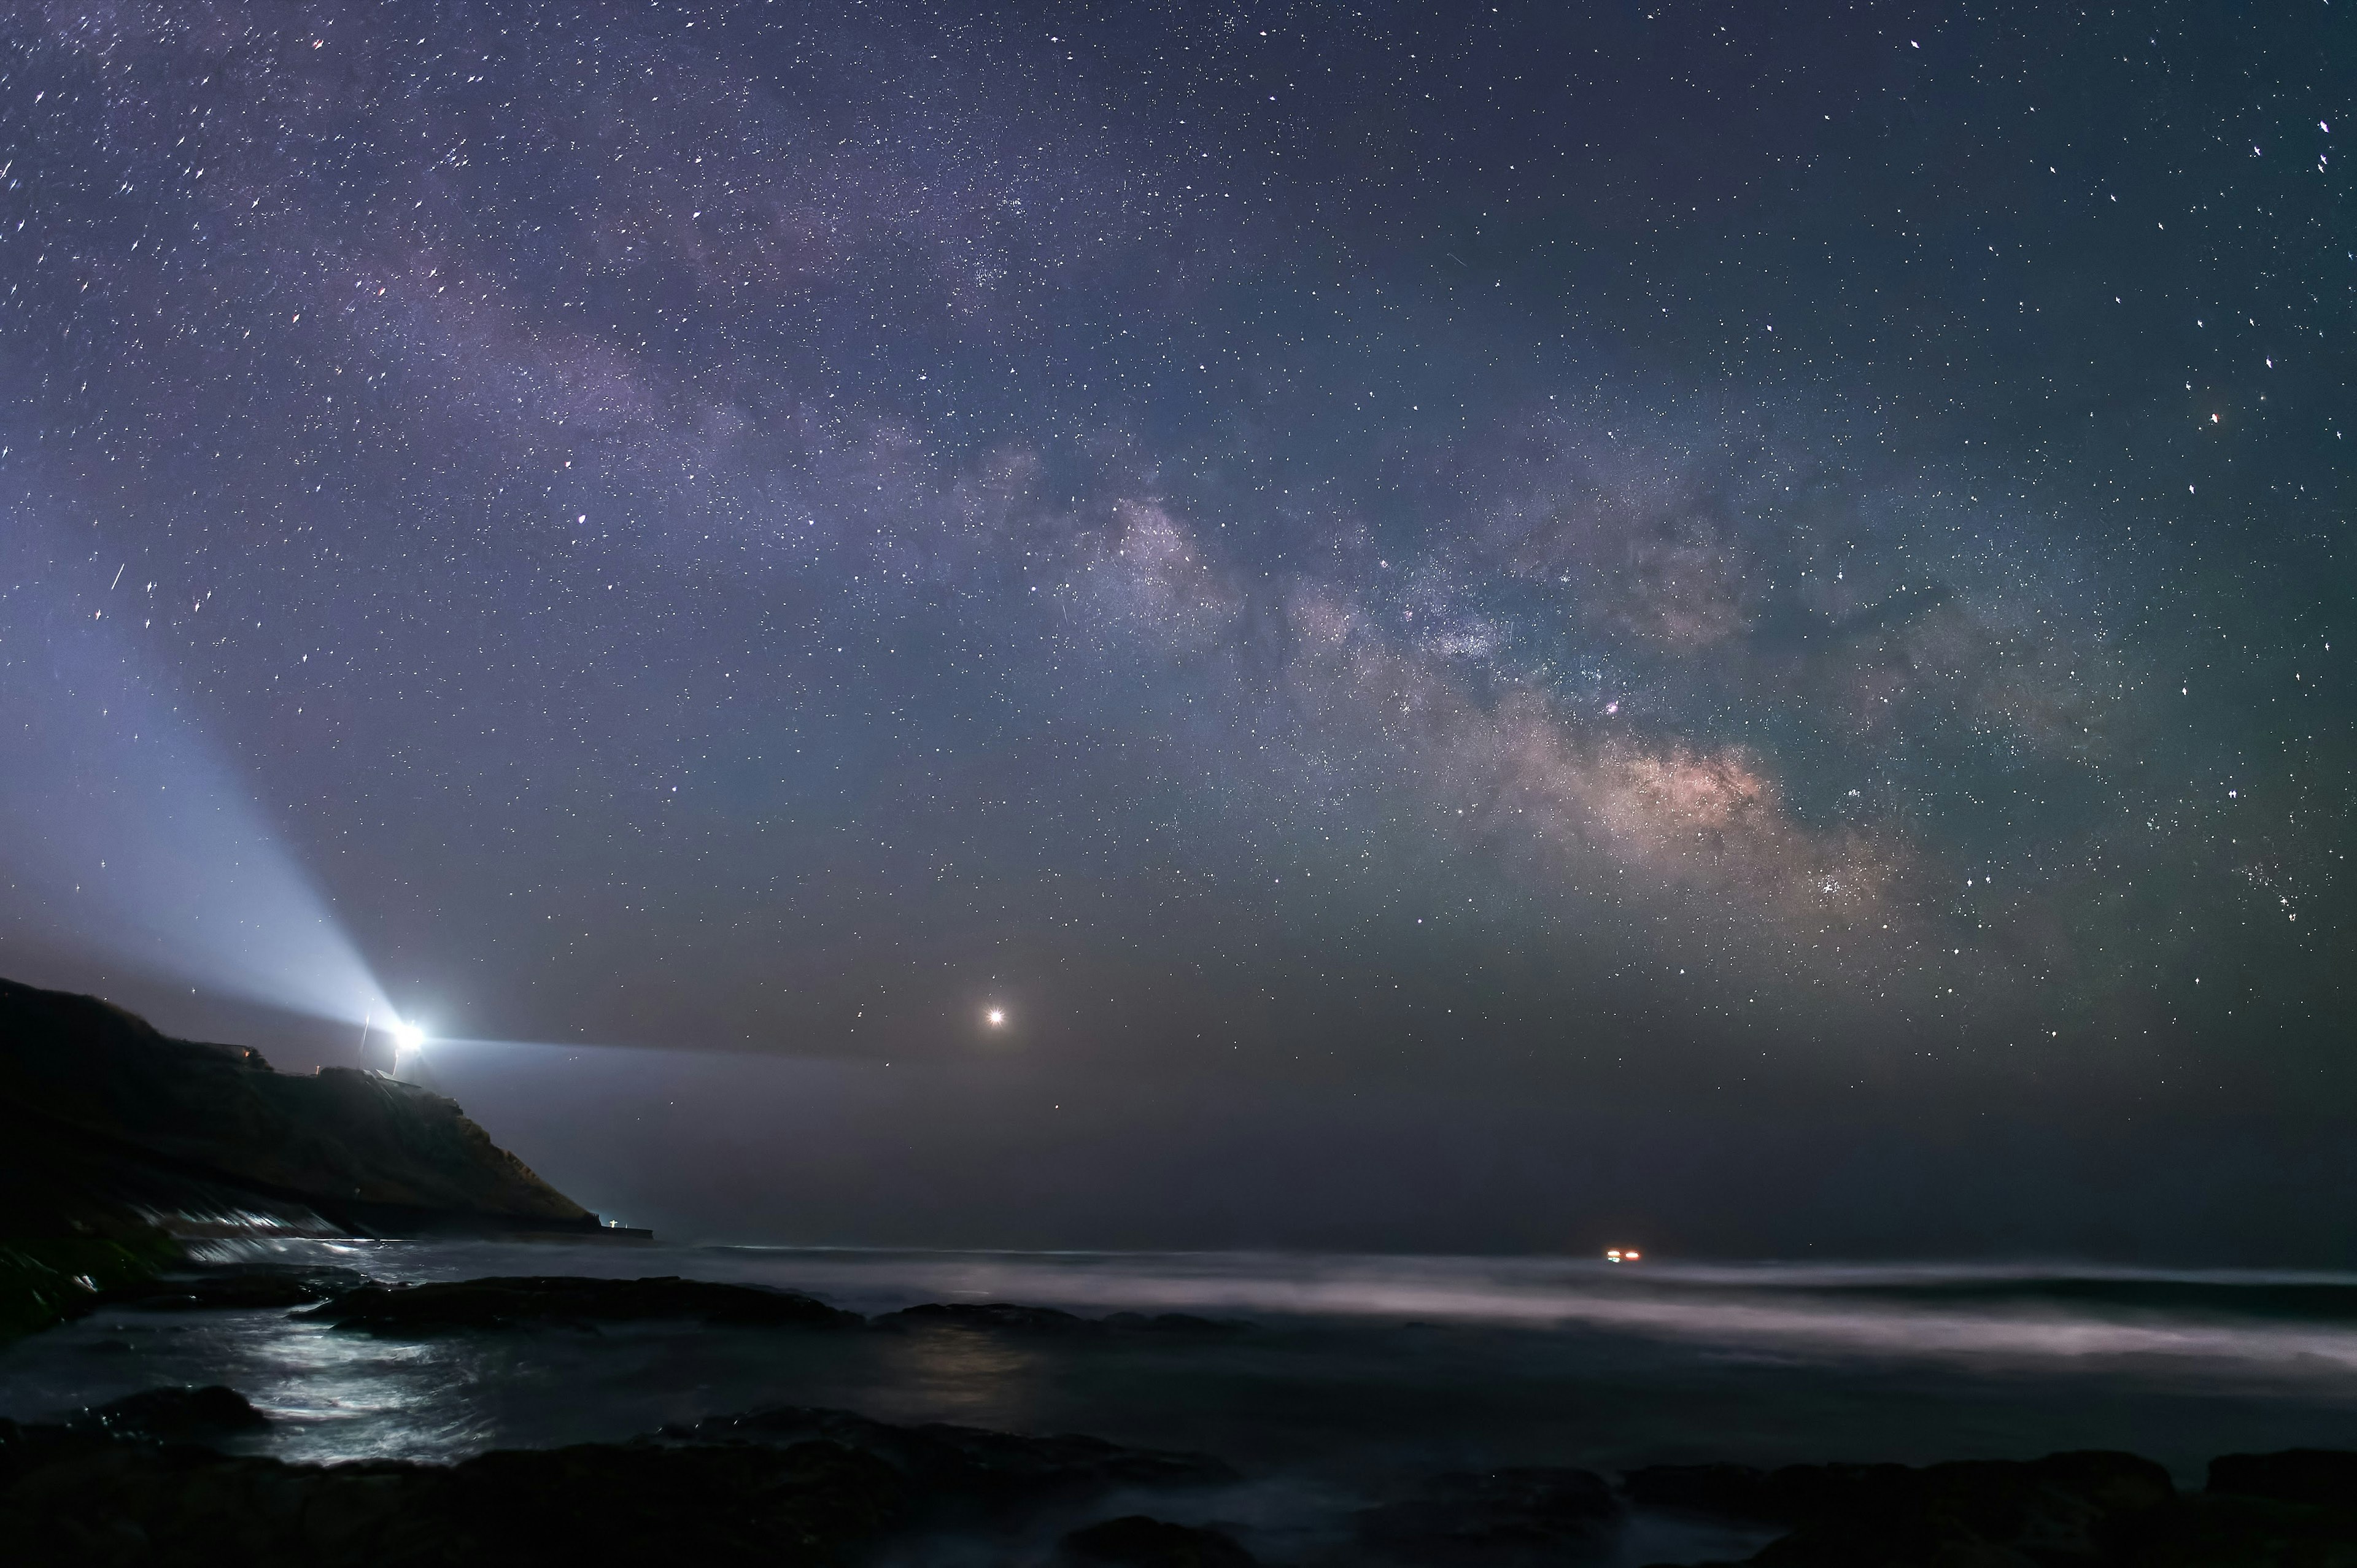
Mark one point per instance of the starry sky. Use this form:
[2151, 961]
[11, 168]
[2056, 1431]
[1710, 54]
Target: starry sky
[1486, 627]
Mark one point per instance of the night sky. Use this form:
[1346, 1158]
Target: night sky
[1486, 627]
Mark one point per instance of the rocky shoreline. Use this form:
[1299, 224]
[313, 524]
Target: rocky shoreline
[168, 1475]
[146, 1481]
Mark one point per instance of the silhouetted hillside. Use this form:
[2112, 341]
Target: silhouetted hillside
[108, 1127]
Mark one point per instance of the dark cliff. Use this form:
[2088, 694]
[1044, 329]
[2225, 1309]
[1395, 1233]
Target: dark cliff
[108, 1126]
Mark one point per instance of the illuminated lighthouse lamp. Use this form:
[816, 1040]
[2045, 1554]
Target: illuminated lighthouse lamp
[407, 1040]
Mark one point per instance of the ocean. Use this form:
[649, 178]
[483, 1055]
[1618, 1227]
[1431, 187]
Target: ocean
[1350, 1377]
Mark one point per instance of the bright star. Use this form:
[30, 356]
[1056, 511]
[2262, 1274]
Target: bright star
[996, 1017]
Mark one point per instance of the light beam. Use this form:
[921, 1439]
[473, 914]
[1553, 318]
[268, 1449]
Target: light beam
[145, 844]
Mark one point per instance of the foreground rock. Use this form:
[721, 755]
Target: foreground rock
[131, 1504]
[781, 1488]
[47, 1279]
[1011, 1317]
[2313, 1478]
[127, 1484]
[1496, 1519]
[2294, 1510]
[1739, 1492]
[1134, 1541]
[171, 1415]
[522, 1300]
[995, 1471]
[205, 1290]
[1000, 1316]
[1185, 1325]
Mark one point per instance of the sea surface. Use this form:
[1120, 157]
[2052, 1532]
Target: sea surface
[1355, 1377]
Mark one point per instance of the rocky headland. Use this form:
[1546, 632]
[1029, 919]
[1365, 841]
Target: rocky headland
[117, 1142]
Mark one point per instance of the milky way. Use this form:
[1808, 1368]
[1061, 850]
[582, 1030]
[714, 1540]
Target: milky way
[1692, 571]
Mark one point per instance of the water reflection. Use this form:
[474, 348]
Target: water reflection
[976, 1379]
[344, 1396]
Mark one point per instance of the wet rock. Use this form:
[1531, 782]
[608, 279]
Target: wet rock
[1172, 1323]
[802, 1503]
[1001, 1316]
[231, 1288]
[2118, 1483]
[2227, 1530]
[47, 1280]
[1011, 1317]
[1840, 1493]
[174, 1415]
[1496, 1519]
[992, 1469]
[2297, 1508]
[1726, 1491]
[810, 1504]
[2067, 1508]
[141, 1421]
[513, 1302]
[2322, 1477]
[1135, 1540]
[779, 1490]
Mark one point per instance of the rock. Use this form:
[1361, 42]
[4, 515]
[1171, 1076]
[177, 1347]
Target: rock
[1816, 1493]
[1725, 1491]
[1134, 1541]
[994, 1470]
[1009, 1318]
[2297, 1507]
[174, 1415]
[1174, 1323]
[104, 1120]
[511, 1302]
[808, 1502]
[781, 1489]
[2323, 1477]
[718, 1507]
[45, 1280]
[999, 1316]
[1500, 1518]
[2080, 1508]
[248, 1288]
[2118, 1483]
[2228, 1529]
